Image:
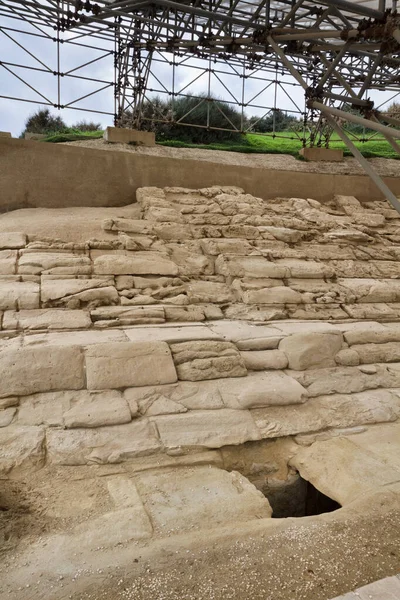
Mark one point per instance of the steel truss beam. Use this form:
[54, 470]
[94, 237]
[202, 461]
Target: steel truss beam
[250, 51]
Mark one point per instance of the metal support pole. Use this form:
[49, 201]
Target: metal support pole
[365, 164]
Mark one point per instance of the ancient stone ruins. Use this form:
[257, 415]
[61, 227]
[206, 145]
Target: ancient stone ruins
[186, 364]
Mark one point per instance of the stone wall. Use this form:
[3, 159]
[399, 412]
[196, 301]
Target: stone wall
[56, 175]
[213, 320]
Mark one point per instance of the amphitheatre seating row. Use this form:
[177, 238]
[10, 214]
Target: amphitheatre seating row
[213, 320]
[205, 255]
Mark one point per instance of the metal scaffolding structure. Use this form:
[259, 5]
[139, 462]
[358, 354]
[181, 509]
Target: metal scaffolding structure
[253, 53]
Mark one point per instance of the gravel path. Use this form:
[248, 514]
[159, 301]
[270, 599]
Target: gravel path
[384, 166]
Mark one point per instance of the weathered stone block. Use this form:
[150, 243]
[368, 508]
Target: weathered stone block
[46, 319]
[311, 350]
[249, 266]
[322, 154]
[36, 263]
[40, 369]
[207, 429]
[102, 445]
[19, 295]
[8, 262]
[123, 135]
[129, 364]
[12, 240]
[22, 448]
[375, 353]
[261, 389]
[137, 263]
[97, 410]
[264, 359]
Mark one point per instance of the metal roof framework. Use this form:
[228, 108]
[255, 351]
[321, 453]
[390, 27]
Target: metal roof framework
[253, 50]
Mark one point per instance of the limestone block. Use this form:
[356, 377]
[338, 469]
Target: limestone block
[7, 402]
[171, 333]
[373, 333]
[370, 290]
[46, 409]
[103, 444]
[264, 359]
[375, 353]
[208, 291]
[124, 135]
[184, 313]
[322, 154]
[199, 360]
[149, 192]
[247, 312]
[247, 336]
[124, 315]
[261, 389]
[190, 260]
[57, 289]
[215, 247]
[346, 380]
[307, 439]
[311, 350]
[36, 263]
[74, 338]
[377, 406]
[207, 429]
[160, 214]
[306, 269]
[137, 226]
[352, 236]
[247, 232]
[222, 498]
[274, 295]
[19, 295]
[284, 234]
[172, 231]
[97, 410]
[371, 311]
[6, 416]
[128, 364]
[114, 528]
[8, 261]
[22, 449]
[46, 319]
[202, 395]
[12, 240]
[347, 357]
[136, 263]
[368, 219]
[40, 369]
[249, 266]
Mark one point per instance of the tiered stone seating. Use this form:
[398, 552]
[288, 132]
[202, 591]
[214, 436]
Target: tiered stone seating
[197, 320]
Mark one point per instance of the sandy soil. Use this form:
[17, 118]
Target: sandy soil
[284, 162]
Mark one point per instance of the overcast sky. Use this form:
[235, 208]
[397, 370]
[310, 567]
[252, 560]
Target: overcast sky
[14, 113]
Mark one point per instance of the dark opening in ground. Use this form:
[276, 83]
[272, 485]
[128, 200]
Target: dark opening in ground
[299, 498]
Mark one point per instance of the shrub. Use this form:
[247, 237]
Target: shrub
[283, 122]
[86, 126]
[187, 119]
[42, 121]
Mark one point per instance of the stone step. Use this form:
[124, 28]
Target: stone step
[384, 589]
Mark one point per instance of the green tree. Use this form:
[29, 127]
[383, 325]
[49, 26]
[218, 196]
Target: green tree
[42, 121]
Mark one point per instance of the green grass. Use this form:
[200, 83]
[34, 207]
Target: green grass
[285, 142]
[75, 136]
[289, 143]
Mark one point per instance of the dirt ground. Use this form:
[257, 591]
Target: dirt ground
[284, 162]
[313, 558]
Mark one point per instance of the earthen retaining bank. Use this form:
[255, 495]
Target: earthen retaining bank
[54, 176]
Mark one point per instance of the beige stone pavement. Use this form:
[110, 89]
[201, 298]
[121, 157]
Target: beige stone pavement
[385, 589]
